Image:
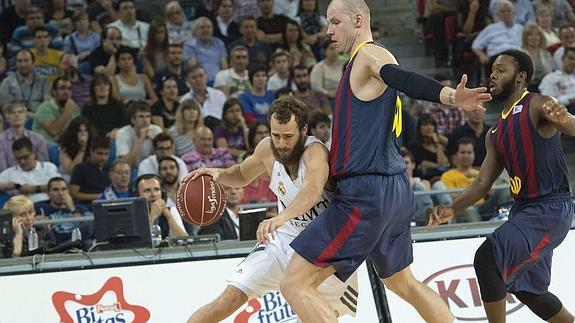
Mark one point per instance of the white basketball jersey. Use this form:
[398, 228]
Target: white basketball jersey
[286, 191]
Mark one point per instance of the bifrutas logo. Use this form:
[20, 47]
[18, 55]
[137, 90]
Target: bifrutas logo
[107, 305]
[458, 287]
[271, 308]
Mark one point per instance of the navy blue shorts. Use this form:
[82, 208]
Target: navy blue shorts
[369, 217]
[523, 246]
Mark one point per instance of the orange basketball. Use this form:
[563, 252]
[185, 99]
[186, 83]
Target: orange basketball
[201, 201]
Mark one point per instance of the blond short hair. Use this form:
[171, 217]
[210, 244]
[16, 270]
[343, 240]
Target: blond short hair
[19, 202]
[530, 29]
[173, 7]
[10, 107]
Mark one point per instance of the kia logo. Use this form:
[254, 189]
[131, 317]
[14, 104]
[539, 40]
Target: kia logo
[458, 287]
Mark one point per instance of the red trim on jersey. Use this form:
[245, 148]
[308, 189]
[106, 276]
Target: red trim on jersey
[512, 161]
[347, 130]
[340, 238]
[499, 140]
[335, 133]
[532, 189]
[533, 257]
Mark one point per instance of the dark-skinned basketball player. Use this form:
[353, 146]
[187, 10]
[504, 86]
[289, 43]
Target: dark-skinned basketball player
[298, 168]
[526, 141]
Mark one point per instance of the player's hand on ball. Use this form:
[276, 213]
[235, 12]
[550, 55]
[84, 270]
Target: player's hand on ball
[556, 111]
[213, 172]
[439, 215]
[267, 229]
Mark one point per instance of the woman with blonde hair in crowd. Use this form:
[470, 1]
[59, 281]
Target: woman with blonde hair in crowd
[23, 216]
[545, 23]
[325, 75]
[154, 58]
[179, 28]
[561, 10]
[534, 44]
[188, 119]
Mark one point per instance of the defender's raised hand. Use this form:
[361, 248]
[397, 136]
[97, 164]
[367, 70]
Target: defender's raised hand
[470, 99]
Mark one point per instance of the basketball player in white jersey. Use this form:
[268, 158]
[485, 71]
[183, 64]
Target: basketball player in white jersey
[298, 167]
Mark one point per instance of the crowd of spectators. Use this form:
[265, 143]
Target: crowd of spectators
[95, 93]
[468, 34]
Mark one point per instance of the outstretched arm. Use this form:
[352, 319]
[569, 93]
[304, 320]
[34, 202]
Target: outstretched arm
[421, 87]
[242, 174]
[490, 170]
[315, 158]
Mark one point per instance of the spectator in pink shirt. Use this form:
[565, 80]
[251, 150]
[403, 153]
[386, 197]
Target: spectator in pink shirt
[204, 153]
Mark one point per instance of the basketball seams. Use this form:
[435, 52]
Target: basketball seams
[203, 201]
[221, 199]
[181, 203]
[188, 200]
[185, 199]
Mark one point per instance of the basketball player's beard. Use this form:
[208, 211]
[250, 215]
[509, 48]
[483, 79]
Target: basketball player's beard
[295, 154]
[506, 90]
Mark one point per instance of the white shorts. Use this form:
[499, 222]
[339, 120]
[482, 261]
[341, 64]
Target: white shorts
[261, 271]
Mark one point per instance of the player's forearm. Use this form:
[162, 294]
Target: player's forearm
[232, 177]
[303, 202]
[564, 99]
[415, 85]
[569, 127]
[447, 96]
[473, 193]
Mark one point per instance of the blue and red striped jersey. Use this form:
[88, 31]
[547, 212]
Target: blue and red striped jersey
[536, 165]
[365, 134]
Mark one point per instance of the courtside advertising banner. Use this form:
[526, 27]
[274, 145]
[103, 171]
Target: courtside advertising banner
[163, 293]
[447, 267]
